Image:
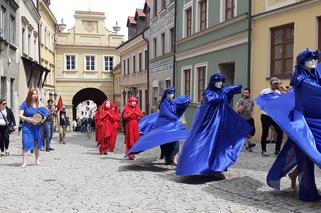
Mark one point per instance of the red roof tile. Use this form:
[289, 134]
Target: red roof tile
[140, 13]
[131, 20]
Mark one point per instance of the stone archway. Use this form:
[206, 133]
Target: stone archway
[93, 94]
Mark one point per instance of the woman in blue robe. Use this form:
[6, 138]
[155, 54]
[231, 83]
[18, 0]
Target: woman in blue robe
[31, 128]
[217, 133]
[166, 130]
[298, 114]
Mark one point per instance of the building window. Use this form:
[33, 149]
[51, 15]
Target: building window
[3, 87]
[163, 5]
[124, 67]
[172, 39]
[229, 9]
[201, 77]
[3, 22]
[134, 64]
[187, 82]
[70, 62]
[282, 50]
[154, 8]
[168, 83]
[12, 30]
[140, 62]
[108, 63]
[163, 43]
[29, 45]
[23, 40]
[155, 47]
[146, 59]
[45, 37]
[128, 71]
[203, 15]
[90, 63]
[35, 46]
[12, 93]
[140, 94]
[188, 18]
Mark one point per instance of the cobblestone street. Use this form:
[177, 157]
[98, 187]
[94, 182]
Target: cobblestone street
[74, 178]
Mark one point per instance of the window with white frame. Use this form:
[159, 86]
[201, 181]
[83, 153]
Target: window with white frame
[228, 9]
[187, 81]
[90, 62]
[202, 14]
[108, 63]
[188, 22]
[12, 29]
[200, 81]
[140, 58]
[70, 62]
[3, 22]
[124, 67]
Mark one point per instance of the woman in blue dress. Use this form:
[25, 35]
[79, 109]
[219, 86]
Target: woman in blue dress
[217, 133]
[298, 114]
[31, 129]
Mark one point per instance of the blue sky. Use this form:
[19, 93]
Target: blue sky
[115, 10]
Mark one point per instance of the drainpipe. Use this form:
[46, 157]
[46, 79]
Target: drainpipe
[249, 44]
[174, 49]
[147, 68]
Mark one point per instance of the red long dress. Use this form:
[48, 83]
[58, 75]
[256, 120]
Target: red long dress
[132, 115]
[98, 126]
[107, 119]
[116, 126]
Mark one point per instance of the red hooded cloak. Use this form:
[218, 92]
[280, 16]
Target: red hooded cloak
[116, 126]
[107, 119]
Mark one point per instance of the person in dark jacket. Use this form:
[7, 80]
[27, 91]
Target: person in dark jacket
[7, 124]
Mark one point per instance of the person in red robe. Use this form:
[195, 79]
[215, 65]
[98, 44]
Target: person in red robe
[131, 115]
[107, 119]
[98, 126]
[116, 126]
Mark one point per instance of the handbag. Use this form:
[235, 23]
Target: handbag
[10, 126]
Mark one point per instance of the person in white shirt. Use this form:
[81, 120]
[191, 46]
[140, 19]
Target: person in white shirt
[267, 121]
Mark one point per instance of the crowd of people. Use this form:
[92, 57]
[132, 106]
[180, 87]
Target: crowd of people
[217, 133]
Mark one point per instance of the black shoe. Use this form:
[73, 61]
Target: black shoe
[47, 150]
[51, 149]
[276, 152]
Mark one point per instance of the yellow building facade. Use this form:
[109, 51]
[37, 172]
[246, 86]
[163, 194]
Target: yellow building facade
[280, 30]
[85, 57]
[47, 31]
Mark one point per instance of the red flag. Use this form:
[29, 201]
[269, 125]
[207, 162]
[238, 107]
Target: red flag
[59, 105]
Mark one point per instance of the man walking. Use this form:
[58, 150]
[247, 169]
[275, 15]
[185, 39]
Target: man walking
[63, 125]
[244, 107]
[49, 124]
[267, 121]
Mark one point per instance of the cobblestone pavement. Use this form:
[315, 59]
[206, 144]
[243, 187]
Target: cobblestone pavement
[74, 178]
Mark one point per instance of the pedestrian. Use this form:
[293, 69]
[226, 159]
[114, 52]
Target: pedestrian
[89, 124]
[49, 125]
[107, 119]
[300, 117]
[167, 129]
[32, 113]
[62, 125]
[7, 125]
[98, 125]
[267, 121]
[74, 125]
[244, 107]
[131, 115]
[217, 133]
[116, 126]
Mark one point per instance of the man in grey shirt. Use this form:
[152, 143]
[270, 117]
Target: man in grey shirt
[244, 107]
[49, 125]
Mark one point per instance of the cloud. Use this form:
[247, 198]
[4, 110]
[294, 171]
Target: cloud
[115, 10]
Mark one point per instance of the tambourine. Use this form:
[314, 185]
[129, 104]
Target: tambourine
[37, 117]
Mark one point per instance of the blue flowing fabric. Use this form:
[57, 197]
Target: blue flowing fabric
[147, 122]
[166, 128]
[32, 133]
[217, 135]
[298, 114]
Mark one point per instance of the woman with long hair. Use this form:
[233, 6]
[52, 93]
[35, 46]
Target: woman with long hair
[32, 113]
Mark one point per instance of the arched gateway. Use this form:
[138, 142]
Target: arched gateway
[93, 94]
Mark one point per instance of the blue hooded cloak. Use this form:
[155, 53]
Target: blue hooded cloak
[298, 114]
[217, 133]
[166, 127]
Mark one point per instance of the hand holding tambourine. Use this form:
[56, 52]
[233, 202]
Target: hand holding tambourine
[37, 119]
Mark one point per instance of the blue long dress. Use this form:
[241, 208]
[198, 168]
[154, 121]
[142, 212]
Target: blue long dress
[166, 128]
[298, 114]
[31, 133]
[217, 135]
